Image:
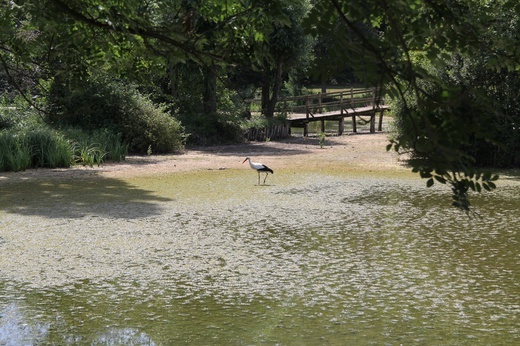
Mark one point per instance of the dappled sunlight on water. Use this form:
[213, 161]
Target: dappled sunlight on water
[212, 258]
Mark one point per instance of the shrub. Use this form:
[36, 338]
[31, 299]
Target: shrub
[150, 125]
[7, 117]
[212, 130]
[102, 103]
[18, 115]
[449, 129]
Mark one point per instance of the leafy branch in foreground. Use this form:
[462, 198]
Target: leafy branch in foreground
[460, 182]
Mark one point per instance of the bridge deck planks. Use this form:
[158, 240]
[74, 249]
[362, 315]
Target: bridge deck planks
[301, 119]
[335, 114]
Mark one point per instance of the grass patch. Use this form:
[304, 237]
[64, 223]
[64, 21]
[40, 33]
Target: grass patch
[47, 148]
[19, 151]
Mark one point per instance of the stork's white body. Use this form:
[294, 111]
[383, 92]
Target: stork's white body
[259, 167]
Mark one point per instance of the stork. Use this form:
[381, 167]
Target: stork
[259, 167]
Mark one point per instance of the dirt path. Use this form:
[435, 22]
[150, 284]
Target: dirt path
[350, 152]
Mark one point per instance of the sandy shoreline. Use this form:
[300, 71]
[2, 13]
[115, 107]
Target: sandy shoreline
[351, 152]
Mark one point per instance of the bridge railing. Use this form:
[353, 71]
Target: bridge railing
[329, 102]
[336, 106]
[325, 102]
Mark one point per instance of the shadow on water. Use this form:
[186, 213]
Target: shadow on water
[78, 196]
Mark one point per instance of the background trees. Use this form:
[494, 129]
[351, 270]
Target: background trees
[451, 67]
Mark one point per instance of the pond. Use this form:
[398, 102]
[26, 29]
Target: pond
[209, 258]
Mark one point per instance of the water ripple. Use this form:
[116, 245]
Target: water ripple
[367, 253]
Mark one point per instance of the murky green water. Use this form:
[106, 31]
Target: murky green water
[210, 258]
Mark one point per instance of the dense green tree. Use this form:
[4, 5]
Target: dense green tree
[286, 46]
[40, 46]
[330, 62]
[403, 45]
[267, 63]
[145, 42]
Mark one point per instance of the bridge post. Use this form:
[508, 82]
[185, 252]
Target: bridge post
[307, 108]
[341, 103]
[373, 122]
[341, 126]
[373, 114]
[381, 110]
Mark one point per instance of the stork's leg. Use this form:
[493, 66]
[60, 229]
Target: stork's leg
[266, 174]
[258, 177]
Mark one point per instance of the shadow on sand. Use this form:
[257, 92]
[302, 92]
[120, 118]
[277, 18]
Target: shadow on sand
[291, 146]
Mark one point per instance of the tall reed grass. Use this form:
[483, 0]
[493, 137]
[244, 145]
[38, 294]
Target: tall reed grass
[36, 148]
[48, 148]
[97, 146]
[15, 152]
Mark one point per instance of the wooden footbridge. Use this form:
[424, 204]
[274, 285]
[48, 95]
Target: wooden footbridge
[336, 106]
[366, 104]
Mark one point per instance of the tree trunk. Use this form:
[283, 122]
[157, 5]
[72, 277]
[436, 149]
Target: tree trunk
[266, 90]
[172, 76]
[210, 91]
[323, 84]
[271, 104]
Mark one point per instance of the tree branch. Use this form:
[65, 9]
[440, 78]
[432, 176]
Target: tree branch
[13, 82]
[153, 33]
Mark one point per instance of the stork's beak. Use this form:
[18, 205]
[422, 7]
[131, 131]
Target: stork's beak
[244, 160]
